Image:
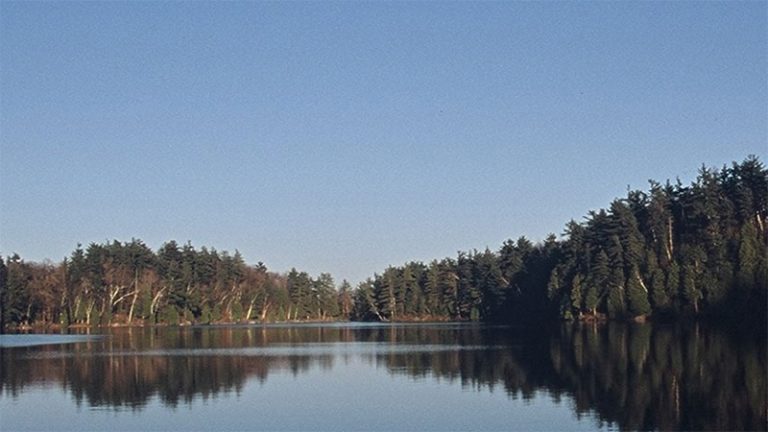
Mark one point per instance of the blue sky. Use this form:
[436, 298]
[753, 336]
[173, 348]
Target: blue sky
[348, 136]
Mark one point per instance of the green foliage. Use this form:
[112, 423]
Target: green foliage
[206, 317]
[237, 311]
[170, 315]
[637, 295]
[16, 296]
[616, 298]
[106, 316]
[326, 297]
[591, 299]
[748, 256]
[700, 247]
[691, 291]
[576, 299]
[658, 290]
[4, 298]
[673, 281]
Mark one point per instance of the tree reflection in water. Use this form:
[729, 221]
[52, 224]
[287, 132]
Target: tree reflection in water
[636, 376]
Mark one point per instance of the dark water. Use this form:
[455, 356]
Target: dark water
[386, 377]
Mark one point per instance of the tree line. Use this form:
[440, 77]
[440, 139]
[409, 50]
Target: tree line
[675, 249]
[672, 250]
[128, 283]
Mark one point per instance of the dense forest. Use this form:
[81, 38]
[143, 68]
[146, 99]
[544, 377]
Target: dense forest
[128, 283]
[673, 250]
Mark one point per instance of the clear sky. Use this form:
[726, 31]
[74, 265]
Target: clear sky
[348, 136]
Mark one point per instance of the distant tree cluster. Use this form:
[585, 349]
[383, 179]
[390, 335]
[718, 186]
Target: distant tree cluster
[473, 286]
[676, 249]
[129, 283]
[673, 250]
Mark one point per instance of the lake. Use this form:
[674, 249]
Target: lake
[355, 376]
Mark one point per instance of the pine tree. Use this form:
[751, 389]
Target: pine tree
[16, 297]
[328, 306]
[491, 284]
[637, 295]
[748, 256]
[591, 299]
[672, 283]
[433, 305]
[345, 300]
[385, 291]
[3, 294]
[576, 300]
[616, 297]
[553, 285]
[658, 290]
[616, 290]
[690, 290]
[412, 303]
[598, 282]
[300, 292]
[448, 284]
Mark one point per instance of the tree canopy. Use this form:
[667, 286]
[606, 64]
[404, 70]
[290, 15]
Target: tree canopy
[675, 249]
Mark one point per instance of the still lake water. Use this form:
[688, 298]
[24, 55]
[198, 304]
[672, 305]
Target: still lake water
[385, 377]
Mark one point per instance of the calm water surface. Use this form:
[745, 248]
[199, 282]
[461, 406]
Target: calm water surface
[385, 377]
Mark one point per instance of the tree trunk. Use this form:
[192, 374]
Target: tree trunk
[155, 299]
[264, 310]
[639, 279]
[88, 313]
[77, 307]
[103, 309]
[250, 309]
[670, 245]
[133, 304]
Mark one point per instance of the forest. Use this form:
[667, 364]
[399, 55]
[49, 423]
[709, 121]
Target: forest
[674, 250]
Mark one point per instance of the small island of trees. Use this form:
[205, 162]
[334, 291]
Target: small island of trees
[672, 251]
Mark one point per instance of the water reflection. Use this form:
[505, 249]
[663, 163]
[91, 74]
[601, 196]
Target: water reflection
[664, 378]
[636, 376]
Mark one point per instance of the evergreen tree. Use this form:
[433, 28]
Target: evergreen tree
[448, 285]
[365, 303]
[658, 290]
[300, 293]
[748, 256]
[691, 292]
[673, 282]
[702, 246]
[576, 295]
[16, 300]
[491, 284]
[637, 295]
[328, 306]
[385, 290]
[345, 300]
[4, 297]
[432, 298]
[597, 280]
[616, 298]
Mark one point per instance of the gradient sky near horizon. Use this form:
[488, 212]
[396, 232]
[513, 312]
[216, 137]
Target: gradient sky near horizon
[349, 136]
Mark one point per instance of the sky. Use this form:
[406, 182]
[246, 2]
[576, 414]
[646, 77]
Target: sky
[345, 137]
